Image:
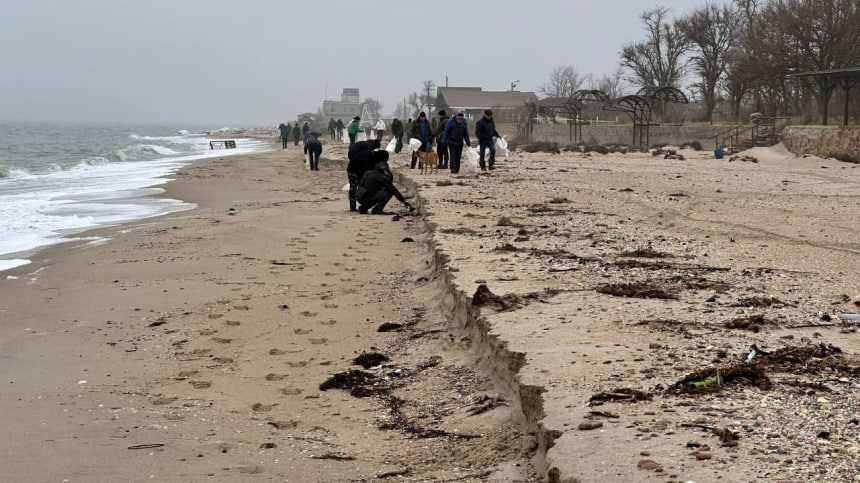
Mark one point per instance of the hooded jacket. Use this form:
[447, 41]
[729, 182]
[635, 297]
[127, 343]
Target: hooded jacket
[354, 127]
[380, 125]
[285, 131]
[374, 181]
[440, 127]
[485, 129]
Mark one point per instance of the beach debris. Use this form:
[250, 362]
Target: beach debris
[589, 425]
[752, 323]
[390, 327]
[623, 394]
[484, 404]
[407, 240]
[146, 446]
[353, 380]
[268, 446]
[333, 456]
[639, 290]
[283, 424]
[392, 474]
[849, 317]
[649, 465]
[483, 297]
[370, 359]
[759, 301]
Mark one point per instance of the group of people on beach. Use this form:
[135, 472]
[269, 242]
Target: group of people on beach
[312, 145]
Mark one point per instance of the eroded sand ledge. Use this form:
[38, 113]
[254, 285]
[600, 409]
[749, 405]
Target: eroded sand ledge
[763, 245]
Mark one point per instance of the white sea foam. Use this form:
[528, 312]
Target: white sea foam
[37, 210]
[9, 264]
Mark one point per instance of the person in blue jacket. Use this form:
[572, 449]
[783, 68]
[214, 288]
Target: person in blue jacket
[456, 133]
[485, 131]
[422, 131]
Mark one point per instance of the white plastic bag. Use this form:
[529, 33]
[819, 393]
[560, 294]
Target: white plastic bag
[501, 147]
[415, 144]
[345, 187]
[392, 145]
[308, 160]
[470, 164]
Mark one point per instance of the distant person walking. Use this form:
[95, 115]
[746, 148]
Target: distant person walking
[422, 131]
[353, 129]
[409, 127]
[332, 128]
[485, 131]
[441, 147]
[305, 130]
[339, 128]
[380, 128]
[313, 150]
[296, 134]
[397, 132]
[284, 129]
[455, 134]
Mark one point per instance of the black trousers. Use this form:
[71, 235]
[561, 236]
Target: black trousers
[425, 148]
[456, 154]
[379, 134]
[286, 142]
[376, 202]
[314, 158]
[296, 141]
[399, 146]
[351, 139]
[442, 152]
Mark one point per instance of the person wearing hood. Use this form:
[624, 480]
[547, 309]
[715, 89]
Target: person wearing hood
[377, 188]
[397, 132]
[441, 147]
[296, 134]
[353, 129]
[332, 128]
[485, 131]
[455, 134]
[360, 161]
[380, 128]
[313, 150]
[284, 130]
[306, 128]
[422, 131]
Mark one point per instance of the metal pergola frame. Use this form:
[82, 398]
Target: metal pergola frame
[640, 108]
[847, 78]
[571, 107]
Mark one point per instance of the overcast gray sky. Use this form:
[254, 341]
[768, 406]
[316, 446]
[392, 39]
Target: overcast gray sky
[262, 62]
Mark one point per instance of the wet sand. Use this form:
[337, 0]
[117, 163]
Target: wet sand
[193, 346]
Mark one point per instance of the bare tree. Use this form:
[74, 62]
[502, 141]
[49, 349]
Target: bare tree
[424, 100]
[659, 59]
[710, 30]
[563, 82]
[611, 84]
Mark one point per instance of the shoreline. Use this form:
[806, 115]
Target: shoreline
[207, 334]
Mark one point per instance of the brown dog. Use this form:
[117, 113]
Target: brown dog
[428, 162]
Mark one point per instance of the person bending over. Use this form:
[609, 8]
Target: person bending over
[313, 150]
[361, 159]
[353, 129]
[376, 189]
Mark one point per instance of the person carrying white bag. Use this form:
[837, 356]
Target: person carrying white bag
[485, 131]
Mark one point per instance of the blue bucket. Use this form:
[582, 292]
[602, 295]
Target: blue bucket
[718, 153]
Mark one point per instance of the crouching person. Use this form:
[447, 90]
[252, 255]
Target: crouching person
[376, 189]
[313, 150]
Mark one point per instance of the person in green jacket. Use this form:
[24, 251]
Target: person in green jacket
[442, 148]
[353, 129]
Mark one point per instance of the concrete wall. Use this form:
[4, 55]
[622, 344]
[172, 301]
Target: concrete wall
[842, 143]
[620, 133]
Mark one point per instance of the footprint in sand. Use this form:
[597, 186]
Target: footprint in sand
[222, 340]
[262, 408]
[330, 306]
[233, 323]
[307, 313]
[223, 360]
[298, 364]
[277, 352]
[328, 322]
[162, 401]
[291, 391]
[215, 316]
[250, 470]
[283, 424]
[302, 331]
[201, 352]
[275, 377]
[186, 374]
[208, 332]
[318, 341]
[200, 384]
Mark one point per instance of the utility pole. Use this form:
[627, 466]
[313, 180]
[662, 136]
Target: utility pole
[446, 81]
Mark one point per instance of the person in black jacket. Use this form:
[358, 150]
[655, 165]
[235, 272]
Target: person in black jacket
[284, 130]
[296, 134]
[313, 149]
[485, 130]
[376, 189]
[358, 164]
[455, 134]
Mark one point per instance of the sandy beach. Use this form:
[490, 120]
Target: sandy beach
[536, 323]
